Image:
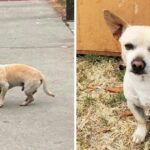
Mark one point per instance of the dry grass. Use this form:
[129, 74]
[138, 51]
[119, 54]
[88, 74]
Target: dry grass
[63, 2]
[59, 6]
[103, 122]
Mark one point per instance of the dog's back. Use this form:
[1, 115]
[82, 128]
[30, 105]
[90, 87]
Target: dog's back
[19, 72]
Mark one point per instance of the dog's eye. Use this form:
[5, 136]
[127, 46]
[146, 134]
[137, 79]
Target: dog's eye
[129, 46]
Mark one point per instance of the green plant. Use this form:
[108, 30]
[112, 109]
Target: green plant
[93, 58]
[120, 74]
[117, 99]
[88, 101]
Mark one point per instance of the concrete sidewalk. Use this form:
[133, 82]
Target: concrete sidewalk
[32, 33]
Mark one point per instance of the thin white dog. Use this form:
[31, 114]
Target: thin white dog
[135, 45]
[27, 77]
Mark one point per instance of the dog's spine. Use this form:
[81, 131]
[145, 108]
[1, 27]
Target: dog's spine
[45, 88]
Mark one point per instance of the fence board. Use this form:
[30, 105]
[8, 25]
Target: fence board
[93, 36]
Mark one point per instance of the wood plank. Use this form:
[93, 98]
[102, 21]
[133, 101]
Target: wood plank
[103, 53]
[93, 35]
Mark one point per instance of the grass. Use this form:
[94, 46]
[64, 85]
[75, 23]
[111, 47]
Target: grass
[88, 101]
[97, 59]
[117, 100]
[93, 58]
[100, 125]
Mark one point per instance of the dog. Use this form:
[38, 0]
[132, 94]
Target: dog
[135, 52]
[27, 77]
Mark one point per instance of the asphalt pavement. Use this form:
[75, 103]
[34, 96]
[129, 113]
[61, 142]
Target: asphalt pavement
[32, 33]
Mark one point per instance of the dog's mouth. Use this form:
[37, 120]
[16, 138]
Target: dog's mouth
[137, 72]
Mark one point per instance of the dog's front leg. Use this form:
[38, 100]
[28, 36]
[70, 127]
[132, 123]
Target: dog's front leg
[141, 131]
[4, 88]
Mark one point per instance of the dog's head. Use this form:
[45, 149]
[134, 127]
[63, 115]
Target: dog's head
[135, 43]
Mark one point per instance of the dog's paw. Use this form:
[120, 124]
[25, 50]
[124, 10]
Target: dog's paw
[147, 112]
[27, 102]
[23, 104]
[139, 134]
[1, 104]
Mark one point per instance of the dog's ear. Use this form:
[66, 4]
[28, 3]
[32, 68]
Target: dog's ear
[115, 24]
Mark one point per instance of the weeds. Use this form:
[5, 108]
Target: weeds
[88, 101]
[117, 100]
[101, 127]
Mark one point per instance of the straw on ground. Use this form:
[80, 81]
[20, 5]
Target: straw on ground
[104, 121]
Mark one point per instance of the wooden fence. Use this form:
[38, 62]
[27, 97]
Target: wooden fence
[93, 36]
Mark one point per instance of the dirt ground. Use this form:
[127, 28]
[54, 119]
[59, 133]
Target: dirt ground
[103, 120]
[59, 6]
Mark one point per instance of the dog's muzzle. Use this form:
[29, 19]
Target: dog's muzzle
[138, 66]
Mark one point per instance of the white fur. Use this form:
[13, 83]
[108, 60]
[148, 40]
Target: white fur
[138, 84]
[137, 87]
[139, 134]
[140, 37]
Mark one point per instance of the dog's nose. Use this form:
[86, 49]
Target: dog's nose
[138, 66]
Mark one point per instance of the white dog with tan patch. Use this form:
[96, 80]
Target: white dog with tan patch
[135, 45]
[27, 77]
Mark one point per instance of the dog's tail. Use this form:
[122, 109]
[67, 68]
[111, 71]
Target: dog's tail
[45, 88]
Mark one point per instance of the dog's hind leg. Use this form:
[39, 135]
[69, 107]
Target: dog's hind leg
[29, 97]
[4, 89]
[30, 89]
[28, 100]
